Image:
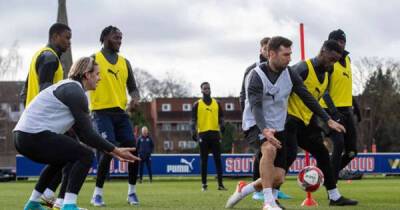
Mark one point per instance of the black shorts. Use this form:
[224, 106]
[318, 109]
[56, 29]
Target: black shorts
[255, 139]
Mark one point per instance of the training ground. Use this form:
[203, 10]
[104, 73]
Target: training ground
[184, 193]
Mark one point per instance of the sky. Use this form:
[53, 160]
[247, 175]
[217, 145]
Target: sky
[207, 40]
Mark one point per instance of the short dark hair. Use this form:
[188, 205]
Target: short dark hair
[204, 83]
[107, 30]
[58, 28]
[264, 41]
[332, 45]
[277, 41]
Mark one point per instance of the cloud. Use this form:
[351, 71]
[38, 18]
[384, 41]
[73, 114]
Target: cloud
[204, 40]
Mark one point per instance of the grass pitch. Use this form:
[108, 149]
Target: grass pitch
[183, 193]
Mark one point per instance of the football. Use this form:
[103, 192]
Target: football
[310, 178]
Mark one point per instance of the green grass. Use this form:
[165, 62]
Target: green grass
[373, 193]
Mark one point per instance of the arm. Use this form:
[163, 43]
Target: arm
[331, 107]
[311, 103]
[300, 89]
[221, 122]
[242, 98]
[194, 121]
[255, 94]
[47, 65]
[131, 85]
[74, 97]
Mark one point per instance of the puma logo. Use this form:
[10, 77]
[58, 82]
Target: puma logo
[208, 109]
[113, 73]
[346, 75]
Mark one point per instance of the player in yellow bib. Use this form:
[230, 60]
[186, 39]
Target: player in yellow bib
[302, 126]
[45, 70]
[207, 123]
[341, 99]
[108, 104]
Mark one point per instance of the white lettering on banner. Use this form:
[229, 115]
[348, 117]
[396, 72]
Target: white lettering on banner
[300, 163]
[239, 164]
[178, 169]
[185, 166]
[362, 164]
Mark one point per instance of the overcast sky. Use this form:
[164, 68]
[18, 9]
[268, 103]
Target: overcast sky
[203, 40]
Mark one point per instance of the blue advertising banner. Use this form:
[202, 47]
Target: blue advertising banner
[233, 165]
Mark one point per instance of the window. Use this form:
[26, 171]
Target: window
[182, 144]
[168, 145]
[187, 144]
[186, 107]
[166, 107]
[183, 127]
[166, 127]
[229, 107]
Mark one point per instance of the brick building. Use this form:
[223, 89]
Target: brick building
[10, 111]
[171, 122]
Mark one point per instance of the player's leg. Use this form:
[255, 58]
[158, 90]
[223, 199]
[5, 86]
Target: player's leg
[350, 141]
[59, 150]
[124, 135]
[216, 151]
[148, 164]
[203, 145]
[242, 188]
[104, 126]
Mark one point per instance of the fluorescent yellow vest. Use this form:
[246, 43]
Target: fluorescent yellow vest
[33, 87]
[340, 85]
[296, 106]
[111, 90]
[207, 116]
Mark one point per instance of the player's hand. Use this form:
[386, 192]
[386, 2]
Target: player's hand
[269, 134]
[124, 154]
[336, 126]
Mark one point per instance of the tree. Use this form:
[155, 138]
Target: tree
[379, 100]
[150, 87]
[10, 63]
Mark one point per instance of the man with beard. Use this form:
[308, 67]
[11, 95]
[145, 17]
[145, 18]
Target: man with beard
[268, 89]
[207, 123]
[108, 105]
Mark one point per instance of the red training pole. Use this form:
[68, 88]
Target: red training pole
[309, 201]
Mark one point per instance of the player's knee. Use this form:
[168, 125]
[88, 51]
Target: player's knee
[278, 181]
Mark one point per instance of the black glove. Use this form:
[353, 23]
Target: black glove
[194, 136]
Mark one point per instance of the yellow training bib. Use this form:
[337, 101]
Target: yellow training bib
[33, 87]
[340, 85]
[207, 116]
[296, 106]
[111, 90]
